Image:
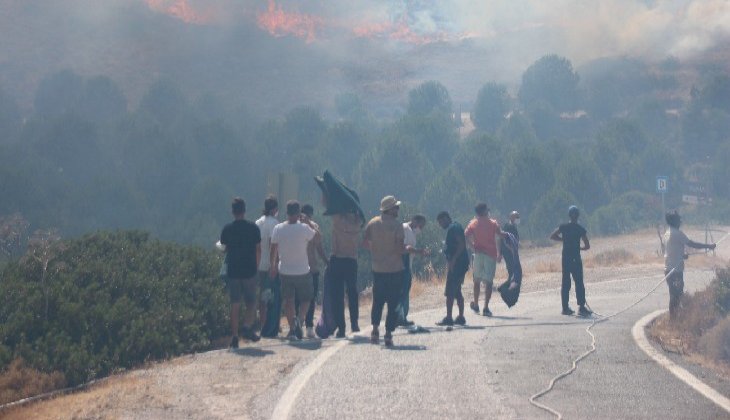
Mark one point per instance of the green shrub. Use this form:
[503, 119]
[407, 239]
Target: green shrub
[115, 300]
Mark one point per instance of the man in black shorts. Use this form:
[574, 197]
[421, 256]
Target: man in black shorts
[570, 234]
[242, 240]
[458, 264]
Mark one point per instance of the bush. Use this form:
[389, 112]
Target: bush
[19, 381]
[625, 213]
[721, 286]
[115, 300]
[715, 343]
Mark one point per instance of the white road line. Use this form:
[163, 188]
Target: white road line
[284, 406]
[288, 398]
[640, 338]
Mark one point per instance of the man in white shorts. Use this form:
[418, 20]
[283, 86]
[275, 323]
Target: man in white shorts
[484, 235]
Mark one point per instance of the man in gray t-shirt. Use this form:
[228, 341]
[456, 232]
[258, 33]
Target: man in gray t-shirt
[674, 257]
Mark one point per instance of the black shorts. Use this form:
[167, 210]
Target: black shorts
[242, 288]
[454, 281]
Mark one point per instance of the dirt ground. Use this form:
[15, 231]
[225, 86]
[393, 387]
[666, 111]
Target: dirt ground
[221, 382]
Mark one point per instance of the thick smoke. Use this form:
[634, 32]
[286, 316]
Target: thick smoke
[317, 48]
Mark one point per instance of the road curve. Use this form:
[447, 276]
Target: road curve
[491, 368]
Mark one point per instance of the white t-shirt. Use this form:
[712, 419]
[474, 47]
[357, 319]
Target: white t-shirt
[292, 239]
[676, 240]
[266, 225]
[409, 238]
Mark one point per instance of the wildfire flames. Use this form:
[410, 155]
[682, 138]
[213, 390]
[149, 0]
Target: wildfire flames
[399, 31]
[279, 22]
[180, 9]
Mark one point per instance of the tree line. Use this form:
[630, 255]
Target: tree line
[85, 160]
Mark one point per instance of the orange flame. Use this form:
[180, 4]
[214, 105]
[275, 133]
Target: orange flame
[179, 9]
[280, 23]
[399, 31]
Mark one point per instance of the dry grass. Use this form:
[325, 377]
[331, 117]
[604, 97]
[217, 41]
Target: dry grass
[616, 257]
[109, 399]
[547, 266]
[19, 381]
[699, 331]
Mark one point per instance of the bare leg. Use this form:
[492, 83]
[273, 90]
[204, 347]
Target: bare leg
[487, 295]
[235, 309]
[303, 309]
[476, 291]
[290, 313]
[460, 304]
[250, 315]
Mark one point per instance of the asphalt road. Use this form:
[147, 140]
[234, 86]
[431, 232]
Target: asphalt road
[491, 368]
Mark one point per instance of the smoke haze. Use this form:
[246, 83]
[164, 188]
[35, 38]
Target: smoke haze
[273, 51]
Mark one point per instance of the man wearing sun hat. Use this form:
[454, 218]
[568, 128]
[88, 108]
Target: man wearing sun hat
[384, 236]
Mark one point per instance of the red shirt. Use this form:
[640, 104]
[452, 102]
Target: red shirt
[482, 231]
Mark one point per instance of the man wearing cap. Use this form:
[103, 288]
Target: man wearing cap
[384, 237]
[570, 234]
[484, 235]
[289, 260]
[674, 257]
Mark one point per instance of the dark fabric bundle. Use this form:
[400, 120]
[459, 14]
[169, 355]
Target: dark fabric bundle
[273, 312]
[509, 296]
[339, 199]
[514, 268]
[326, 324]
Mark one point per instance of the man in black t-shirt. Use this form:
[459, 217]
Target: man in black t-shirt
[242, 240]
[570, 234]
[457, 260]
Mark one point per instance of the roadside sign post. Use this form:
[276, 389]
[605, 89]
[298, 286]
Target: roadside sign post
[662, 186]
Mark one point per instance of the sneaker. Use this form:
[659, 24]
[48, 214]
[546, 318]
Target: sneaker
[407, 323]
[340, 334]
[388, 340]
[460, 320]
[486, 312]
[292, 336]
[583, 311]
[375, 336]
[474, 307]
[250, 335]
[568, 311]
[234, 342]
[447, 322]
[355, 328]
[310, 332]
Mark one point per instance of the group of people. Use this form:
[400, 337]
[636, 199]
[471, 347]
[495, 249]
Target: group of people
[268, 261]
[267, 258]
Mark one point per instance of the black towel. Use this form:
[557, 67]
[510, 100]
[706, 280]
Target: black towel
[338, 197]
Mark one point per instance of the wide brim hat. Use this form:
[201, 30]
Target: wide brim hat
[389, 202]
